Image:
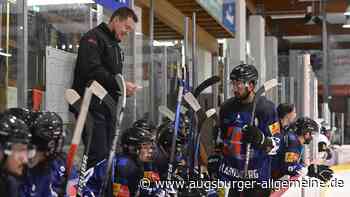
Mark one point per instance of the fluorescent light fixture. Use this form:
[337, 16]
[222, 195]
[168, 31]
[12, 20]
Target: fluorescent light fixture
[5, 54]
[57, 2]
[287, 16]
[302, 39]
[163, 43]
[298, 37]
[347, 11]
[221, 41]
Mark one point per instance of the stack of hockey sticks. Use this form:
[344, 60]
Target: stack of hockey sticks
[198, 110]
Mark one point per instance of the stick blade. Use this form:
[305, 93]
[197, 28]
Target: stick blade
[210, 112]
[122, 86]
[71, 96]
[98, 90]
[270, 84]
[205, 84]
[192, 101]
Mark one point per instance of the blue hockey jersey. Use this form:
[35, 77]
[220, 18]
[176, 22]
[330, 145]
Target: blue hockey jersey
[278, 159]
[126, 176]
[49, 180]
[292, 155]
[234, 115]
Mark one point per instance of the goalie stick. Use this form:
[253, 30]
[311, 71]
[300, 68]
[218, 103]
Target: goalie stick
[79, 126]
[264, 88]
[74, 99]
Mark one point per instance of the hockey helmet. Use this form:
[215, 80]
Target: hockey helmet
[48, 132]
[305, 125]
[245, 73]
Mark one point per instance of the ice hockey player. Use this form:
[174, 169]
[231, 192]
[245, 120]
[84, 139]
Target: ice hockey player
[128, 167]
[324, 150]
[15, 143]
[163, 148]
[294, 141]
[287, 115]
[264, 135]
[46, 175]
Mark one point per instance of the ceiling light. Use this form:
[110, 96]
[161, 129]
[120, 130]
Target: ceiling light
[347, 22]
[287, 16]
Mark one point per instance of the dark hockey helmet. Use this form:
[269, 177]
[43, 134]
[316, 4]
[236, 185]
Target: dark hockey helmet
[165, 136]
[304, 125]
[12, 131]
[132, 138]
[143, 124]
[283, 109]
[48, 132]
[21, 113]
[245, 73]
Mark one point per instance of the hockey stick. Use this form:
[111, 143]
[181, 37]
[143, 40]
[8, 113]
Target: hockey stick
[211, 113]
[194, 104]
[264, 88]
[73, 98]
[176, 130]
[105, 97]
[79, 126]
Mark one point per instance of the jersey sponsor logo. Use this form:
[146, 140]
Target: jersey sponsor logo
[151, 175]
[236, 173]
[274, 128]
[213, 160]
[234, 118]
[62, 171]
[275, 145]
[291, 157]
[120, 190]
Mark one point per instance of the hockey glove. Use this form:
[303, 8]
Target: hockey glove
[329, 154]
[323, 172]
[256, 137]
